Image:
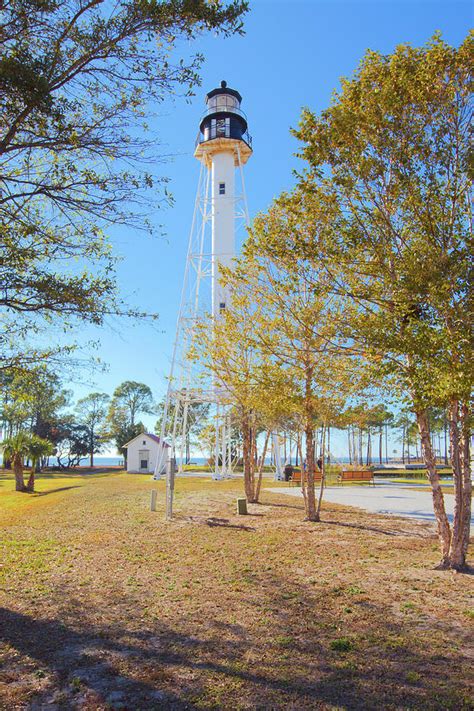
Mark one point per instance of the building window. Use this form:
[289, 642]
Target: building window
[221, 188]
[222, 306]
[144, 464]
[144, 441]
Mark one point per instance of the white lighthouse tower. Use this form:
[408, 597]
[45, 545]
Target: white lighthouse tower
[223, 147]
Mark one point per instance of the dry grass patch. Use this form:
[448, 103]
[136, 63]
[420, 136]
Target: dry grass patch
[107, 606]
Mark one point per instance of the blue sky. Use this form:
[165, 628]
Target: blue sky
[292, 55]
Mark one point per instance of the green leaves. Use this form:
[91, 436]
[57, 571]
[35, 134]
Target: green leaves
[393, 145]
[76, 80]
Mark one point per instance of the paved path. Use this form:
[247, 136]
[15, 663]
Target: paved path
[385, 498]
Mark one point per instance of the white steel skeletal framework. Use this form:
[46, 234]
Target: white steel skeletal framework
[188, 383]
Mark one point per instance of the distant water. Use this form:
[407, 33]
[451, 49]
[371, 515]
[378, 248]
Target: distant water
[103, 461]
[118, 461]
[203, 460]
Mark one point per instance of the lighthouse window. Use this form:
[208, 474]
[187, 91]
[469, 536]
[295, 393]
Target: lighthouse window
[222, 306]
[221, 127]
[221, 188]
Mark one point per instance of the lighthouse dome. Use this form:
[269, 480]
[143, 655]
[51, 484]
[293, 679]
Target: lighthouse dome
[223, 117]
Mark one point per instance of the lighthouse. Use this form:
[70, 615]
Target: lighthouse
[223, 147]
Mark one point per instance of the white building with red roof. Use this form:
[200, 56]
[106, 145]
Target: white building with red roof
[142, 453]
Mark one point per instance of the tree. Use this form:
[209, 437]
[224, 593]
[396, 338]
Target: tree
[293, 329]
[77, 80]
[72, 443]
[20, 446]
[92, 411]
[129, 400]
[226, 349]
[389, 162]
[122, 432]
[38, 449]
[266, 352]
[33, 402]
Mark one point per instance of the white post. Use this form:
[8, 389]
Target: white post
[277, 457]
[170, 474]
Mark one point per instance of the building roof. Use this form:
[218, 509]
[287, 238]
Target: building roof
[223, 89]
[154, 437]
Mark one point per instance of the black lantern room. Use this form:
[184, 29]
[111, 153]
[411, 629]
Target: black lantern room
[223, 118]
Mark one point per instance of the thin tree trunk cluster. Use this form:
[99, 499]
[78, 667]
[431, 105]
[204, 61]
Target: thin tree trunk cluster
[454, 540]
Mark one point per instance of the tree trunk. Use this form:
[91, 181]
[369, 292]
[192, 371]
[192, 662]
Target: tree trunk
[444, 531]
[323, 477]
[459, 445]
[307, 478]
[31, 479]
[465, 418]
[17, 462]
[253, 461]
[446, 462]
[246, 456]
[260, 467]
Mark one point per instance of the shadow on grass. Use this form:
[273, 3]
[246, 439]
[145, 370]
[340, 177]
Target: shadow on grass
[290, 663]
[7, 476]
[375, 529]
[225, 523]
[54, 491]
[281, 506]
[79, 664]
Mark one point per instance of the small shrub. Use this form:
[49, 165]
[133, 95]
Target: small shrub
[342, 644]
[284, 642]
[413, 677]
[76, 684]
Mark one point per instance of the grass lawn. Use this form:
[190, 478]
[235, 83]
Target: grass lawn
[104, 605]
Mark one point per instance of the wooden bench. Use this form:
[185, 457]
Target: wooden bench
[356, 475]
[296, 477]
